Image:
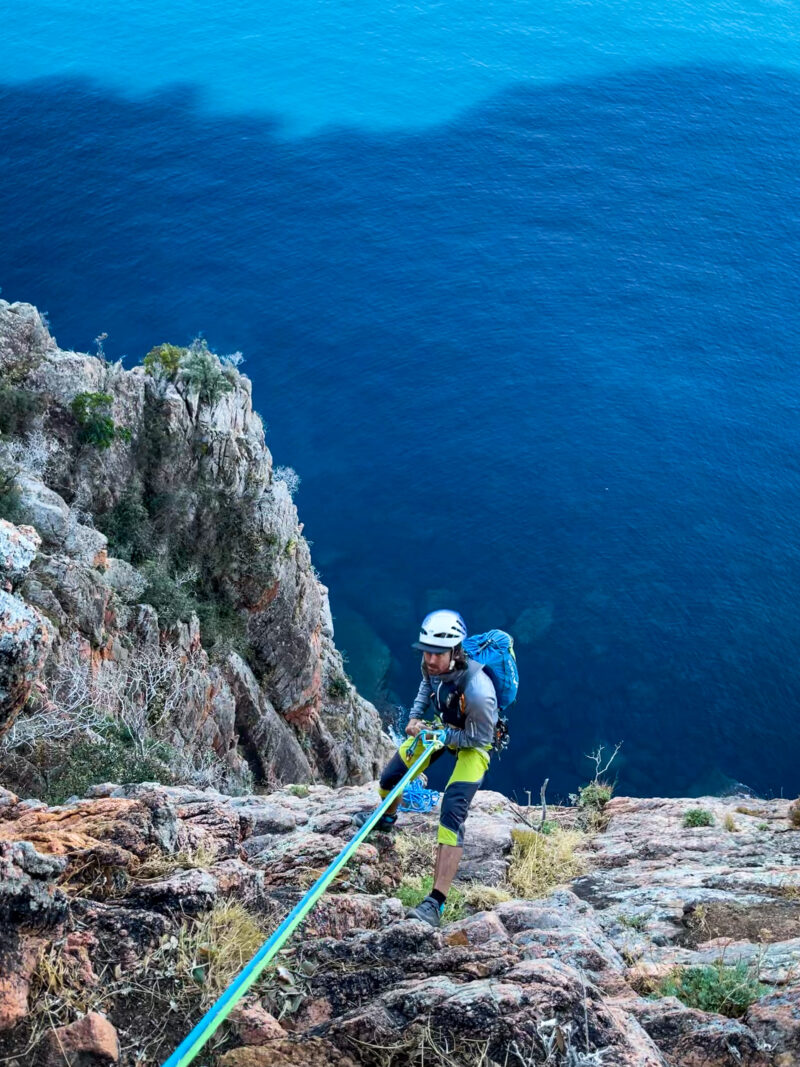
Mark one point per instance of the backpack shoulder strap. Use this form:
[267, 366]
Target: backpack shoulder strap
[473, 667]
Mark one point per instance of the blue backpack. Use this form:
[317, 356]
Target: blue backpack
[494, 650]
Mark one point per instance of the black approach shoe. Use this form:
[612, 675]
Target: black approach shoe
[428, 911]
[386, 823]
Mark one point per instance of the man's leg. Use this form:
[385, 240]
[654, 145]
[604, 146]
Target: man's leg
[448, 858]
[470, 768]
[465, 781]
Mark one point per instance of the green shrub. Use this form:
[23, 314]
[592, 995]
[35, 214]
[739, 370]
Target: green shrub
[592, 798]
[698, 817]
[338, 687]
[113, 759]
[96, 427]
[298, 790]
[222, 627]
[173, 602]
[412, 891]
[726, 990]
[127, 527]
[18, 409]
[164, 360]
[202, 370]
[9, 496]
[633, 922]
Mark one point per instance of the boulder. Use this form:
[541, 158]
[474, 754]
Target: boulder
[18, 547]
[24, 338]
[25, 641]
[43, 509]
[90, 1042]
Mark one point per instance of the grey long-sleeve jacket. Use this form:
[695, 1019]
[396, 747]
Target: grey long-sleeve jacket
[481, 707]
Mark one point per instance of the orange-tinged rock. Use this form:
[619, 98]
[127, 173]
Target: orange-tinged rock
[77, 946]
[255, 1026]
[121, 825]
[476, 930]
[16, 968]
[310, 1053]
[89, 1042]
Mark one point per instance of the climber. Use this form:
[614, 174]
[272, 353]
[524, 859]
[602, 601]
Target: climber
[459, 692]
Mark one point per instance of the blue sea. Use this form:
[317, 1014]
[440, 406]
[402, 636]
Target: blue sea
[517, 287]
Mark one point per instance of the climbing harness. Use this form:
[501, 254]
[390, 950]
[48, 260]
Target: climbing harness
[430, 741]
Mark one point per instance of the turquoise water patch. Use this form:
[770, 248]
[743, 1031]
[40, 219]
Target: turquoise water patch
[312, 64]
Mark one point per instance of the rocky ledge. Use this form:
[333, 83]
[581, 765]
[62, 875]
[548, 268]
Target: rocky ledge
[121, 913]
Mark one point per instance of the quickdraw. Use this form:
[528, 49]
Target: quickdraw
[501, 735]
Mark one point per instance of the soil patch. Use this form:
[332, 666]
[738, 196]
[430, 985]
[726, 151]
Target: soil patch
[767, 923]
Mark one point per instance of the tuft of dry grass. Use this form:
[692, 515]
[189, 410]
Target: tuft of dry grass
[478, 897]
[58, 987]
[421, 1045]
[788, 891]
[160, 864]
[213, 949]
[794, 813]
[730, 824]
[540, 862]
[417, 852]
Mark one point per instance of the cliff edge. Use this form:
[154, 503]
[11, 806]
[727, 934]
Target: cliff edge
[158, 603]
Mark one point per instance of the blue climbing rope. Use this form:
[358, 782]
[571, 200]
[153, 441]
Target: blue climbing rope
[185, 1053]
[418, 798]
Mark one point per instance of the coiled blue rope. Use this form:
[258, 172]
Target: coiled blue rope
[418, 798]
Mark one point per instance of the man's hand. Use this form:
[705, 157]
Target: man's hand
[414, 727]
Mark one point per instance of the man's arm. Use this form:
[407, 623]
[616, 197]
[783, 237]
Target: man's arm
[481, 715]
[421, 705]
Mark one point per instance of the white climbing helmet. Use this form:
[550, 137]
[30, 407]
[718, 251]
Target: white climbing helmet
[441, 631]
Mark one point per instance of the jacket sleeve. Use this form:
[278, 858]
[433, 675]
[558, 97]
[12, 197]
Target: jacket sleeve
[421, 705]
[481, 715]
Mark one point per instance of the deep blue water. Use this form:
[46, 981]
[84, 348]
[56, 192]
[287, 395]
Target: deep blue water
[538, 361]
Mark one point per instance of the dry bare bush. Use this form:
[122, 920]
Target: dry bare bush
[289, 477]
[144, 694]
[32, 454]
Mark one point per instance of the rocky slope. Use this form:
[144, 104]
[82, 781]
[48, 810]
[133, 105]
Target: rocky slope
[109, 949]
[151, 559]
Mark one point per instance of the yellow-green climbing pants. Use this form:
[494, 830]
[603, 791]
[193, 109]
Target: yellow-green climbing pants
[468, 773]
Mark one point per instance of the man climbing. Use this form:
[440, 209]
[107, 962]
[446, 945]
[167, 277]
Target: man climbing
[459, 692]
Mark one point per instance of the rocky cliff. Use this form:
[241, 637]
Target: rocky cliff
[158, 604]
[122, 916]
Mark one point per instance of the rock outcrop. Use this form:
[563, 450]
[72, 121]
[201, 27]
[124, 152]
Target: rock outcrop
[143, 519]
[118, 894]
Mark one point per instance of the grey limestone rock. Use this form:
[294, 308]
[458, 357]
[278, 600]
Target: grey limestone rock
[25, 641]
[43, 509]
[126, 581]
[24, 338]
[18, 548]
